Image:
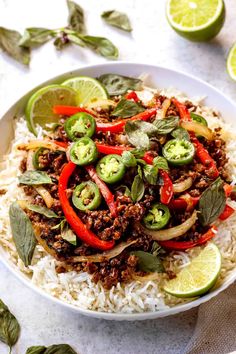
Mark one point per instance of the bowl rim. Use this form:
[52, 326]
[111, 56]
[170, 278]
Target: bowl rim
[113, 315]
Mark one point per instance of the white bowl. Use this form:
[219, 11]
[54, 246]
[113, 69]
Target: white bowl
[159, 77]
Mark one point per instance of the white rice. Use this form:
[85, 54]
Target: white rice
[77, 288]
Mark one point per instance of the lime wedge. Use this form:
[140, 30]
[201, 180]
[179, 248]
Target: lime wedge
[198, 277]
[88, 89]
[231, 62]
[196, 20]
[39, 109]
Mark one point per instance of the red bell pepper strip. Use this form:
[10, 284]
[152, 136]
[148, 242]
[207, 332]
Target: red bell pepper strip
[181, 203]
[228, 211]
[183, 110]
[105, 191]
[110, 149]
[132, 96]
[228, 189]
[166, 191]
[205, 157]
[184, 245]
[70, 110]
[72, 218]
[119, 126]
[63, 144]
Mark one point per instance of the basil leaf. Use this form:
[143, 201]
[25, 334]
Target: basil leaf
[23, 233]
[148, 262]
[212, 202]
[161, 163]
[180, 133]
[127, 192]
[151, 174]
[101, 45]
[75, 39]
[9, 326]
[61, 41]
[126, 108]
[35, 36]
[9, 42]
[137, 189]
[60, 225]
[60, 349]
[76, 17]
[117, 19]
[138, 153]
[118, 85]
[42, 210]
[35, 178]
[38, 349]
[69, 236]
[128, 159]
[166, 125]
[156, 249]
[138, 132]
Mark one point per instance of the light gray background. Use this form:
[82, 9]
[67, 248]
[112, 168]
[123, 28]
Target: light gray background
[152, 41]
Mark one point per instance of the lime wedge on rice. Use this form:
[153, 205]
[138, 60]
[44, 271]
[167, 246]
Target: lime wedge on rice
[199, 276]
[196, 20]
[88, 89]
[39, 109]
[231, 62]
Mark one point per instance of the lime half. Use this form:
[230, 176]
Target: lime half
[196, 20]
[39, 109]
[88, 89]
[231, 62]
[198, 277]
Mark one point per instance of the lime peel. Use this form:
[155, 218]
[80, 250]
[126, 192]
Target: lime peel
[231, 62]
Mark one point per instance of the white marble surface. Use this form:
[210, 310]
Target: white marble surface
[152, 41]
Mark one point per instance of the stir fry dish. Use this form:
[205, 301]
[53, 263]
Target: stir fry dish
[117, 182]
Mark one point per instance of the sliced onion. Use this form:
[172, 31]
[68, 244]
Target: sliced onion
[183, 185]
[188, 199]
[101, 103]
[173, 232]
[161, 113]
[34, 144]
[44, 193]
[197, 128]
[42, 242]
[29, 161]
[101, 257]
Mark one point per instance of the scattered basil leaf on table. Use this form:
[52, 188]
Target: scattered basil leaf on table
[161, 163]
[180, 133]
[9, 42]
[128, 159]
[42, 210]
[148, 262]
[35, 36]
[118, 85]
[9, 326]
[23, 233]
[61, 41]
[137, 189]
[52, 349]
[35, 178]
[151, 174]
[117, 19]
[75, 39]
[37, 349]
[127, 108]
[166, 125]
[212, 202]
[76, 17]
[69, 236]
[100, 45]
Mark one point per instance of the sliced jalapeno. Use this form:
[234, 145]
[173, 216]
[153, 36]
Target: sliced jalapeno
[178, 151]
[79, 125]
[38, 155]
[83, 152]
[157, 217]
[111, 168]
[86, 196]
[199, 119]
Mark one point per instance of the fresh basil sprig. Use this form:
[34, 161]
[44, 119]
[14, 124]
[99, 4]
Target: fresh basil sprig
[52, 349]
[35, 36]
[137, 188]
[42, 210]
[117, 19]
[9, 326]
[166, 125]
[212, 202]
[23, 233]
[76, 17]
[128, 159]
[9, 43]
[35, 178]
[148, 262]
[151, 174]
[118, 84]
[161, 163]
[127, 108]
[180, 133]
